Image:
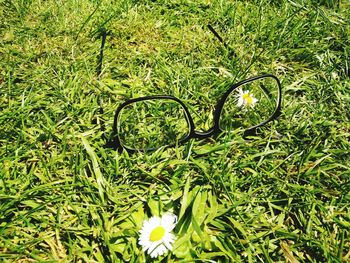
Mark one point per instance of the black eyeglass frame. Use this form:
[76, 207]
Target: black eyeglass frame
[116, 143]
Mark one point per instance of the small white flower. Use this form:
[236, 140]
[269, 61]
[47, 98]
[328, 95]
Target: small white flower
[246, 99]
[155, 236]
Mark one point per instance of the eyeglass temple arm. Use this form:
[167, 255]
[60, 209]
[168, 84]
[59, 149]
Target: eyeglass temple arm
[103, 34]
[216, 34]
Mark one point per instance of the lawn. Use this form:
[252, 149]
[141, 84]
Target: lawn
[281, 194]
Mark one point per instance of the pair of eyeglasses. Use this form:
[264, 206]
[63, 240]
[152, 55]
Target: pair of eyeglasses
[151, 122]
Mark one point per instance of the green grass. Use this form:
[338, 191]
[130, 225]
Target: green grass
[281, 195]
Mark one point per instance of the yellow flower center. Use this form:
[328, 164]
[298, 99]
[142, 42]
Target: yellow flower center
[248, 99]
[157, 234]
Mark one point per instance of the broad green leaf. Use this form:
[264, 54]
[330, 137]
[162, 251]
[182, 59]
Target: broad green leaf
[238, 226]
[154, 207]
[138, 217]
[184, 200]
[199, 207]
[222, 248]
[100, 180]
[213, 207]
[181, 247]
[197, 228]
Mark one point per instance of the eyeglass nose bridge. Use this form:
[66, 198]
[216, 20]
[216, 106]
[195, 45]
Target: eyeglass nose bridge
[203, 135]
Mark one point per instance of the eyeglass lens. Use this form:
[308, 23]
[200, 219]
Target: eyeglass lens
[250, 104]
[150, 124]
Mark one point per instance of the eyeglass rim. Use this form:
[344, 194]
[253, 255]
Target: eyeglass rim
[116, 143]
[115, 136]
[220, 104]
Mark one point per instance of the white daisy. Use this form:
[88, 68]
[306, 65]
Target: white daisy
[246, 99]
[155, 236]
